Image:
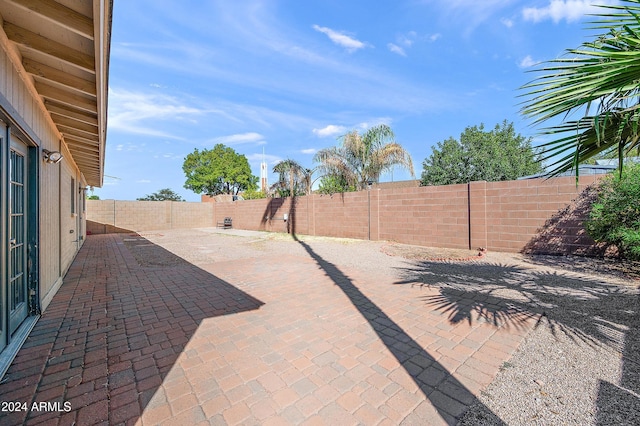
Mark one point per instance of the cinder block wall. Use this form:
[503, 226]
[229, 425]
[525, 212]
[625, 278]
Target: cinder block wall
[190, 215]
[341, 215]
[436, 216]
[517, 210]
[107, 216]
[500, 216]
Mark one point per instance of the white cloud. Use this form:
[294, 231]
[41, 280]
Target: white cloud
[527, 62]
[396, 49]
[569, 10]
[129, 110]
[256, 159]
[434, 37]
[143, 181]
[507, 22]
[237, 139]
[309, 151]
[365, 125]
[407, 39]
[468, 14]
[330, 130]
[341, 39]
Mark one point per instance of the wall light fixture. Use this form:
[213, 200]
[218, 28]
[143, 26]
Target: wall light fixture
[51, 157]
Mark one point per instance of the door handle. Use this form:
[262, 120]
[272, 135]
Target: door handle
[13, 242]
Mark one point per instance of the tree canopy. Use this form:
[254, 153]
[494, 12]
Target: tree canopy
[499, 154]
[361, 158]
[220, 170]
[332, 184]
[599, 81]
[164, 194]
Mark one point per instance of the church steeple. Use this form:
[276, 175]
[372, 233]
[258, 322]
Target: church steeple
[264, 183]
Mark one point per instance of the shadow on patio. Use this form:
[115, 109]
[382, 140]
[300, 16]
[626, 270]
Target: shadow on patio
[448, 398]
[113, 332]
[586, 310]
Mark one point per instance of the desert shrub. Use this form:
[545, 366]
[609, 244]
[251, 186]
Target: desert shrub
[615, 216]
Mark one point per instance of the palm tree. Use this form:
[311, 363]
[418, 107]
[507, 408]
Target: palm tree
[292, 174]
[602, 76]
[361, 159]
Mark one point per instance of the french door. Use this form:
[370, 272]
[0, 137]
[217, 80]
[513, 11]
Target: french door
[17, 266]
[14, 231]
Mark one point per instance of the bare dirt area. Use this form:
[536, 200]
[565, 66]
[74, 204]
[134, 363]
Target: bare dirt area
[430, 253]
[619, 269]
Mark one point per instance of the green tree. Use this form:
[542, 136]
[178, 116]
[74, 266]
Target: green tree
[253, 194]
[92, 197]
[361, 158]
[220, 170]
[333, 184]
[164, 194]
[499, 154]
[615, 216]
[600, 82]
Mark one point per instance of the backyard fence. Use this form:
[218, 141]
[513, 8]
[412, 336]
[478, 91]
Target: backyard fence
[541, 215]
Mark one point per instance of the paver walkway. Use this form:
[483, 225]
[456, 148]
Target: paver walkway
[269, 339]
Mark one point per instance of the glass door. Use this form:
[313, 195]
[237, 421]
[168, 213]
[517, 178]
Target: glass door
[17, 291]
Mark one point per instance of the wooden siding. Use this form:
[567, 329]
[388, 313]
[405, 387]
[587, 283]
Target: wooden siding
[34, 121]
[68, 248]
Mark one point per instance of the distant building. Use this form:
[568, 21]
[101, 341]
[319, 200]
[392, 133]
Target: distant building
[614, 161]
[264, 182]
[583, 170]
[601, 167]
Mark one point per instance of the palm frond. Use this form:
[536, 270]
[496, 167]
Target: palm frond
[361, 158]
[604, 74]
[585, 138]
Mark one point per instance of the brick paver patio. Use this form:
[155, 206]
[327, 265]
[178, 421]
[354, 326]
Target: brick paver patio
[272, 339]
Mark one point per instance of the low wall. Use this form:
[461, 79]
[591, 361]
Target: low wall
[109, 216]
[501, 216]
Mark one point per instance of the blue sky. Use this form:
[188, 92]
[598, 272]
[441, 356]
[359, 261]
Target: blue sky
[289, 77]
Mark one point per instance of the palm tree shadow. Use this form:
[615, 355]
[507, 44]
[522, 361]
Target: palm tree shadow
[461, 307]
[584, 309]
[620, 404]
[587, 311]
[448, 395]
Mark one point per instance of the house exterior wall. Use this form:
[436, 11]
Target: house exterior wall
[29, 122]
[68, 214]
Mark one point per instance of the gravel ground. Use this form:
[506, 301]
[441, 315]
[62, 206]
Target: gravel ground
[580, 365]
